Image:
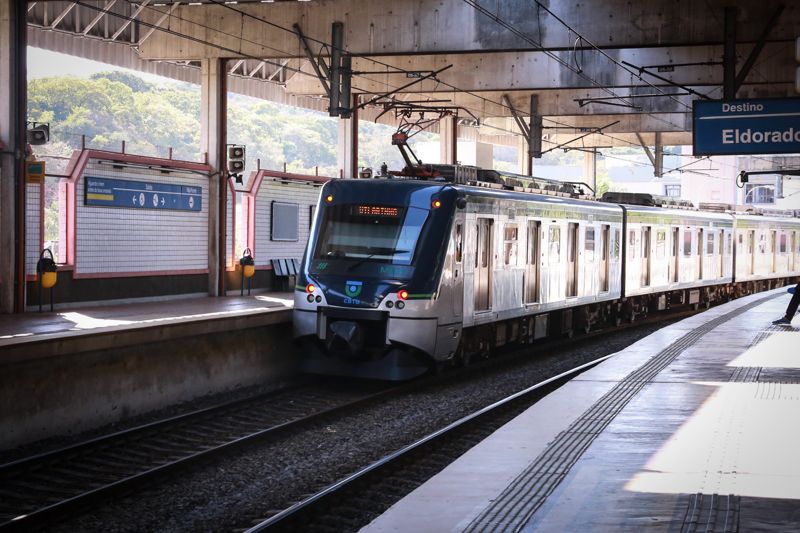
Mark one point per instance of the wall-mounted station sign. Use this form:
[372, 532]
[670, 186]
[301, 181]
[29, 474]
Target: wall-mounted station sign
[740, 127]
[108, 192]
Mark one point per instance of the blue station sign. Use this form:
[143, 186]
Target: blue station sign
[108, 192]
[740, 127]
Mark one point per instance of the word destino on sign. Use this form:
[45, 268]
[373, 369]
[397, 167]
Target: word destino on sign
[764, 126]
[108, 192]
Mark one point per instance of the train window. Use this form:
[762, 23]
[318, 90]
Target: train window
[729, 243]
[661, 243]
[616, 244]
[555, 244]
[589, 239]
[632, 244]
[762, 244]
[459, 242]
[710, 244]
[687, 243]
[348, 233]
[751, 242]
[783, 243]
[510, 245]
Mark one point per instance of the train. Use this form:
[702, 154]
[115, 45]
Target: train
[404, 274]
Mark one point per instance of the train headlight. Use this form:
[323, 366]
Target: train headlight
[401, 304]
[310, 288]
[329, 198]
[390, 304]
[436, 204]
[310, 298]
[402, 294]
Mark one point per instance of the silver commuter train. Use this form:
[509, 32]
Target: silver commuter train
[401, 275]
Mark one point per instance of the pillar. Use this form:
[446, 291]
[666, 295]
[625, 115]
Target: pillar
[213, 135]
[524, 160]
[590, 168]
[448, 140]
[347, 146]
[13, 102]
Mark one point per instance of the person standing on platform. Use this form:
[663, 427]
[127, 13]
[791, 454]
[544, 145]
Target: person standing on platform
[792, 309]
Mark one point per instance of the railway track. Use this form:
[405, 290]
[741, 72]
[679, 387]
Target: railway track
[38, 489]
[343, 505]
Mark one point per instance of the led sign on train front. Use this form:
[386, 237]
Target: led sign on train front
[378, 211]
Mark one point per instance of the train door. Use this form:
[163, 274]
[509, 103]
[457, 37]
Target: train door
[483, 265]
[532, 262]
[646, 256]
[773, 241]
[572, 259]
[605, 235]
[458, 270]
[700, 253]
[751, 251]
[673, 262]
[721, 253]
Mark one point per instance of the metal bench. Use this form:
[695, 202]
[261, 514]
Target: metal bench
[284, 270]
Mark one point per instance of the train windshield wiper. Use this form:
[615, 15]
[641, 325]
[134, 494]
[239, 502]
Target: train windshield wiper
[370, 256]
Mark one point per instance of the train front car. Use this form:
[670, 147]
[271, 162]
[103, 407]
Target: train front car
[366, 300]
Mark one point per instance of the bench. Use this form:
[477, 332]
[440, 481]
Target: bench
[284, 270]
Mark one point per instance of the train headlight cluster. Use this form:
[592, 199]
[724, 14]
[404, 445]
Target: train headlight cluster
[402, 294]
[436, 204]
[310, 288]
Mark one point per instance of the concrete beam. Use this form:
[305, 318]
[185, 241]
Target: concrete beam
[444, 26]
[213, 120]
[676, 122]
[627, 140]
[538, 70]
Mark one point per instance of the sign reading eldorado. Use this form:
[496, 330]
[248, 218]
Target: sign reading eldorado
[763, 126]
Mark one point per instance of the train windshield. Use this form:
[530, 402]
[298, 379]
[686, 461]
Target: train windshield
[361, 234]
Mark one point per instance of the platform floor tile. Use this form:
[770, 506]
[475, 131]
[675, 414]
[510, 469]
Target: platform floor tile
[708, 443]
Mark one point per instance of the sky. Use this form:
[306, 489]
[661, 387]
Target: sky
[44, 63]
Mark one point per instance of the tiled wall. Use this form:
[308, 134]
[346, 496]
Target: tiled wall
[33, 225]
[112, 240]
[303, 194]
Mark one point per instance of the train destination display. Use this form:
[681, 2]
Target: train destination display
[738, 127]
[108, 192]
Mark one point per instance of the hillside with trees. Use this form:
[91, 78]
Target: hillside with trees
[112, 107]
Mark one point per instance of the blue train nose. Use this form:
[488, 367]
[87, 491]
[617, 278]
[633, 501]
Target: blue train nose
[345, 337]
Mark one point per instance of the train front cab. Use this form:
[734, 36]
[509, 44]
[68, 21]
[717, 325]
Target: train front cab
[375, 295]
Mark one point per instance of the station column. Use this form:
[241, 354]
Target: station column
[213, 134]
[590, 168]
[524, 160]
[13, 100]
[448, 140]
[347, 148]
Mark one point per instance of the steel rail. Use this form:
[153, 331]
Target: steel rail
[70, 504]
[313, 502]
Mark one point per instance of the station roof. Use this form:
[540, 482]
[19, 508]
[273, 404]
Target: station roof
[603, 70]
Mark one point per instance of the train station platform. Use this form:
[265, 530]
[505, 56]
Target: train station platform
[72, 370]
[692, 428]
